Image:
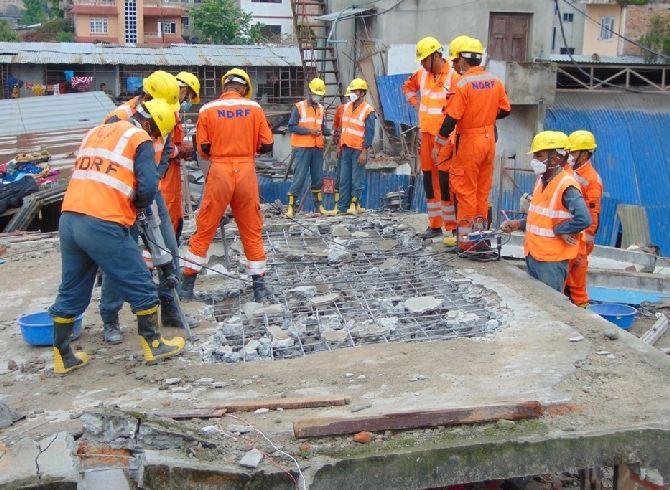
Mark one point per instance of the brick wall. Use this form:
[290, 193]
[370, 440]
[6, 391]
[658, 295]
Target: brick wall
[638, 20]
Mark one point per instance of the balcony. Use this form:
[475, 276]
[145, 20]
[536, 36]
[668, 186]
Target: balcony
[157, 38]
[95, 7]
[163, 10]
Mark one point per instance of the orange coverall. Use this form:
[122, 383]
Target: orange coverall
[477, 99]
[433, 92]
[170, 184]
[592, 190]
[235, 128]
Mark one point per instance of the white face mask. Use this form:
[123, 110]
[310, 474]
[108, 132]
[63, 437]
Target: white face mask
[538, 166]
[571, 160]
[353, 97]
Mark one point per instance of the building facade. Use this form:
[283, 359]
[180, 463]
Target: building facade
[276, 15]
[127, 22]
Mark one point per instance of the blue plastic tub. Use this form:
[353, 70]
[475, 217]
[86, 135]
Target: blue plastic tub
[621, 315]
[38, 329]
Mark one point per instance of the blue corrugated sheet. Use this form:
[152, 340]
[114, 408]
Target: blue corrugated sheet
[396, 108]
[633, 155]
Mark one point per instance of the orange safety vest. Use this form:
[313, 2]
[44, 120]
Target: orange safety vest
[125, 110]
[103, 182]
[433, 97]
[309, 118]
[353, 124]
[545, 214]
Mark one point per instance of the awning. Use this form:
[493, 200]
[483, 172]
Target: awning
[344, 14]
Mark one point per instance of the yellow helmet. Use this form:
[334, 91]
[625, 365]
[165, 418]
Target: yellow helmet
[162, 114]
[162, 85]
[549, 140]
[347, 91]
[358, 84]
[240, 76]
[455, 46]
[191, 81]
[425, 47]
[470, 45]
[582, 140]
[317, 86]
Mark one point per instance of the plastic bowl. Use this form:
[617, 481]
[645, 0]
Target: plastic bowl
[37, 328]
[621, 315]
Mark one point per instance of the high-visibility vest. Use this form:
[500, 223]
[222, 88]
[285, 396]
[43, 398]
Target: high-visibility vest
[433, 97]
[309, 118]
[125, 110]
[103, 182]
[588, 178]
[545, 214]
[353, 124]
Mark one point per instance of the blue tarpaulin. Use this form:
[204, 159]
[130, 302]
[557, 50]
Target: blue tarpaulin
[396, 108]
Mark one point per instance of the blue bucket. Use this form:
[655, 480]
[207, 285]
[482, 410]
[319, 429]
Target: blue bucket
[621, 315]
[38, 329]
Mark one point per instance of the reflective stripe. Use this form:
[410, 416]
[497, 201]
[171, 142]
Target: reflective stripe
[581, 180]
[116, 157]
[146, 255]
[409, 95]
[536, 230]
[588, 237]
[127, 109]
[434, 205]
[125, 137]
[430, 110]
[550, 213]
[442, 94]
[229, 103]
[193, 262]
[434, 213]
[473, 78]
[103, 179]
[353, 131]
[256, 267]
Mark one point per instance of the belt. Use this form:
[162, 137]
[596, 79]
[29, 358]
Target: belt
[240, 159]
[481, 130]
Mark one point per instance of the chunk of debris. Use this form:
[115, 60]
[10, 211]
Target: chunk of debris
[611, 334]
[251, 459]
[239, 429]
[262, 410]
[324, 299]
[335, 336]
[337, 253]
[340, 231]
[249, 308]
[8, 416]
[363, 437]
[172, 381]
[422, 304]
[578, 338]
[418, 377]
[359, 407]
[303, 292]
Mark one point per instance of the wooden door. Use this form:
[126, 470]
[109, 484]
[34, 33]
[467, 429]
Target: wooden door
[508, 36]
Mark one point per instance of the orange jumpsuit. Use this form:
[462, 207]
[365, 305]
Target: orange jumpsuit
[477, 99]
[170, 184]
[592, 190]
[433, 92]
[235, 128]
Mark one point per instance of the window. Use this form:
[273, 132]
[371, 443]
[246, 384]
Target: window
[130, 21]
[185, 23]
[606, 28]
[567, 50]
[98, 25]
[568, 17]
[169, 27]
[270, 31]
[266, 1]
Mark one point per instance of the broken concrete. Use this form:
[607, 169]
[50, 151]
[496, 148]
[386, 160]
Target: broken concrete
[422, 304]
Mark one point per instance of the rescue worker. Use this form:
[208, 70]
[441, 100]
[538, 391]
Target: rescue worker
[114, 177]
[336, 142]
[171, 182]
[478, 100]
[428, 89]
[581, 145]
[230, 131]
[164, 86]
[357, 134]
[557, 213]
[307, 126]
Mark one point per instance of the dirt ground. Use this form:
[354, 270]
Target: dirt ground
[614, 383]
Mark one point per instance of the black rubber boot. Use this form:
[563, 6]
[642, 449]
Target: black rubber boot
[170, 316]
[187, 285]
[153, 345]
[261, 290]
[431, 233]
[112, 332]
[64, 359]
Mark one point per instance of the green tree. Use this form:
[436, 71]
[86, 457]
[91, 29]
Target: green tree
[657, 38]
[7, 33]
[35, 11]
[224, 22]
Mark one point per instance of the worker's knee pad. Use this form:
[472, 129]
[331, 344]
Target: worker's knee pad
[445, 194]
[428, 184]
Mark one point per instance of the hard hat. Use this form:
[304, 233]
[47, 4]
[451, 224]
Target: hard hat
[358, 84]
[317, 86]
[582, 140]
[240, 76]
[425, 47]
[472, 46]
[548, 140]
[192, 82]
[455, 45]
[161, 112]
[161, 85]
[347, 91]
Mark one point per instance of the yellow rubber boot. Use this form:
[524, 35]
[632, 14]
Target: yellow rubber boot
[153, 345]
[291, 206]
[317, 195]
[449, 240]
[359, 208]
[64, 359]
[352, 207]
[583, 305]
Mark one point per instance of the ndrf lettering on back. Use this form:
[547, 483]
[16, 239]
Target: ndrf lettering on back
[230, 114]
[482, 85]
[96, 163]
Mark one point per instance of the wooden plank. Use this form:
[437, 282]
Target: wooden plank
[416, 419]
[193, 413]
[286, 403]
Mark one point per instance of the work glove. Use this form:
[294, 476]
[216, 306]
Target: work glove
[510, 225]
[443, 151]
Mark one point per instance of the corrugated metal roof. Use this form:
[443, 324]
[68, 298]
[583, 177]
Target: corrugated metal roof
[605, 60]
[633, 155]
[173, 55]
[396, 108]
